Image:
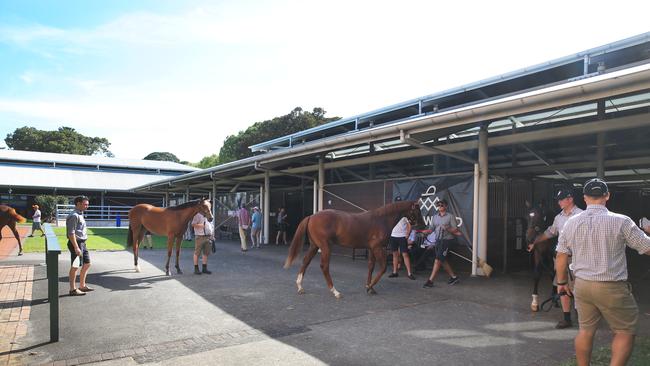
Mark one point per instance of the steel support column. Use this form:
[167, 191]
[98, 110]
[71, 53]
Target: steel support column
[600, 155]
[321, 182]
[475, 223]
[315, 208]
[267, 206]
[483, 193]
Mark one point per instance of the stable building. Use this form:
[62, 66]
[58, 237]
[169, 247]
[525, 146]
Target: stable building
[106, 181]
[491, 146]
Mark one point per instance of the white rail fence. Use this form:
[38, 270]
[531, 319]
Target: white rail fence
[97, 216]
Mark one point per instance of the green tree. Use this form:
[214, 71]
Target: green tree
[47, 204]
[162, 156]
[235, 147]
[208, 161]
[64, 140]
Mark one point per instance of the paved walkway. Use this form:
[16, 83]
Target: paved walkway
[15, 306]
[248, 312]
[9, 244]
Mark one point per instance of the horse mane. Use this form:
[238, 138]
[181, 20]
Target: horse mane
[392, 208]
[185, 205]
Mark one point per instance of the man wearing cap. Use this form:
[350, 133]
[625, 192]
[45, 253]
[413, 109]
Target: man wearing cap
[446, 229]
[256, 227]
[597, 239]
[569, 209]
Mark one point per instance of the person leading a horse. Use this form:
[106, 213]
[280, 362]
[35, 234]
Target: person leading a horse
[565, 200]
[445, 226]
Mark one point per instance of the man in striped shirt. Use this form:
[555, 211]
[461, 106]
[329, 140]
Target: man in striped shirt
[597, 238]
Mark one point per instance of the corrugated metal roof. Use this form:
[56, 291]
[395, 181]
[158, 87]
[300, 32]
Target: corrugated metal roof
[70, 178]
[42, 157]
[289, 140]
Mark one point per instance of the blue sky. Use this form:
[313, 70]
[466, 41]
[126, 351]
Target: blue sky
[180, 76]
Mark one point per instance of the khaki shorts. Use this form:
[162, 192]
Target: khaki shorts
[202, 245]
[610, 300]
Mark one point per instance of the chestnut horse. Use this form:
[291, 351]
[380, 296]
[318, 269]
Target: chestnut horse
[9, 217]
[170, 222]
[369, 230]
[542, 254]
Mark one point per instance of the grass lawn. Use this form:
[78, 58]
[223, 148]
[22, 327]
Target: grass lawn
[98, 239]
[601, 356]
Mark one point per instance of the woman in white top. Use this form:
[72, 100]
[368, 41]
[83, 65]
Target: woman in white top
[398, 243]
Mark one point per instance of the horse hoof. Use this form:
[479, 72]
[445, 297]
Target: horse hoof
[534, 308]
[178, 270]
[338, 296]
[137, 269]
[20, 253]
[301, 291]
[371, 291]
[168, 273]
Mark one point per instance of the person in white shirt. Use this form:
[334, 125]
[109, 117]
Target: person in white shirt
[597, 239]
[398, 243]
[36, 221]
[203, 231]
[569, 209]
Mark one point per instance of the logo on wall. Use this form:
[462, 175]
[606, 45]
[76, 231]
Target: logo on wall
[428, 200]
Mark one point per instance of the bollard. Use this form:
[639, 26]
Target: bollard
[52, 251]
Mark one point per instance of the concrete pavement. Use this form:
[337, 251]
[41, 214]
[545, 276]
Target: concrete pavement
[248, 311]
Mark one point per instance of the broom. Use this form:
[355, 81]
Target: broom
[486, 268]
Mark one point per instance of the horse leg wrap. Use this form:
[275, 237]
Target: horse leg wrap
[534, 305]
[301, 290]
[137, 268]
[336, 293]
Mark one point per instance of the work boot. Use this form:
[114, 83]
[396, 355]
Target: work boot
[563, 324]
[196, 270]
[205, 269]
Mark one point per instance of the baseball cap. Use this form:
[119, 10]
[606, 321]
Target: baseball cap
[442, 202]
[595, 188]
[563, 193]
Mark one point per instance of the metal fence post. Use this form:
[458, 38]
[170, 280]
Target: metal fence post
[52, 250]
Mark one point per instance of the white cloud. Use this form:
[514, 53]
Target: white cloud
[27, 77]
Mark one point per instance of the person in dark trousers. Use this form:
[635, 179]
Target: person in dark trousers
[399, 244]
[597, 239]
[282, 226]
[75, 225]
[446, 229]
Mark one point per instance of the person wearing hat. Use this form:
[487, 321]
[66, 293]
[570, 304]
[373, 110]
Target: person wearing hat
[256, 227]
[564, 199]
[597, 239]
[446, 229]
[36, 221]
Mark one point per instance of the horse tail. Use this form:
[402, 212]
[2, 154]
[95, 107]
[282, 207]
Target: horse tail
[16, 216]
[299, 239]
[129, 238]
